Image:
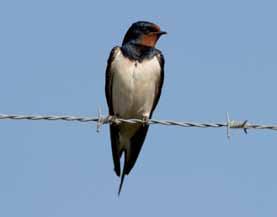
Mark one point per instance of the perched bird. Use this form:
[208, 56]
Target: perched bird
[134, 80]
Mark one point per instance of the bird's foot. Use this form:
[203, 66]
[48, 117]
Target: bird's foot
[145, 121]
[114, 120]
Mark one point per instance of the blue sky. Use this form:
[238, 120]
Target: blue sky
[220, 56]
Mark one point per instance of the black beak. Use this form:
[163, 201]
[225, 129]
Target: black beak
[162, 33]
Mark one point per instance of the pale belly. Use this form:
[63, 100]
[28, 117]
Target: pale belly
[134, 87]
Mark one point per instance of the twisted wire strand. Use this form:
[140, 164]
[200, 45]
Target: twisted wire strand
[109, 119]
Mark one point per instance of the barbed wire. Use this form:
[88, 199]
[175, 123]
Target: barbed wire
[100, 120]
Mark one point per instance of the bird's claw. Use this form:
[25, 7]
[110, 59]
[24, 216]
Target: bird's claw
[145, 121]
[114, 120]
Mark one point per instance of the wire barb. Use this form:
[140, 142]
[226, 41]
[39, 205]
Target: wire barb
[228, 125]
[100, 121]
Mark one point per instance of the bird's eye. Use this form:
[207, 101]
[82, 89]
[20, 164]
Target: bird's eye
[145, 29]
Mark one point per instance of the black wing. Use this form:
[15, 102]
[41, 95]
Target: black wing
[114, 130]
[109, 79]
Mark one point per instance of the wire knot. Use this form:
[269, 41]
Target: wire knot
[101, 120]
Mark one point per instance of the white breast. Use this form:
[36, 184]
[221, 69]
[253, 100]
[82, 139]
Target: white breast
[134, 86]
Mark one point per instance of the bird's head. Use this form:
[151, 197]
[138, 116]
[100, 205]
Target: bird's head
[143, 33]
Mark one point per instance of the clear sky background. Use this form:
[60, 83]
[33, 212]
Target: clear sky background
[220, 56]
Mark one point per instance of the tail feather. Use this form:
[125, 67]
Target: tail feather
[123, 172]
[135, 147]
[121, 183]
[130, 154]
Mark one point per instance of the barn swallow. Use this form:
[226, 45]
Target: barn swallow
[134, 80]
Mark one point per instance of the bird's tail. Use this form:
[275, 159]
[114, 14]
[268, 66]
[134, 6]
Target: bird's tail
[124, 172]
[121, 183]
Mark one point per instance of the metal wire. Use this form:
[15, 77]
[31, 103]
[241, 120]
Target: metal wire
[229, 124]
